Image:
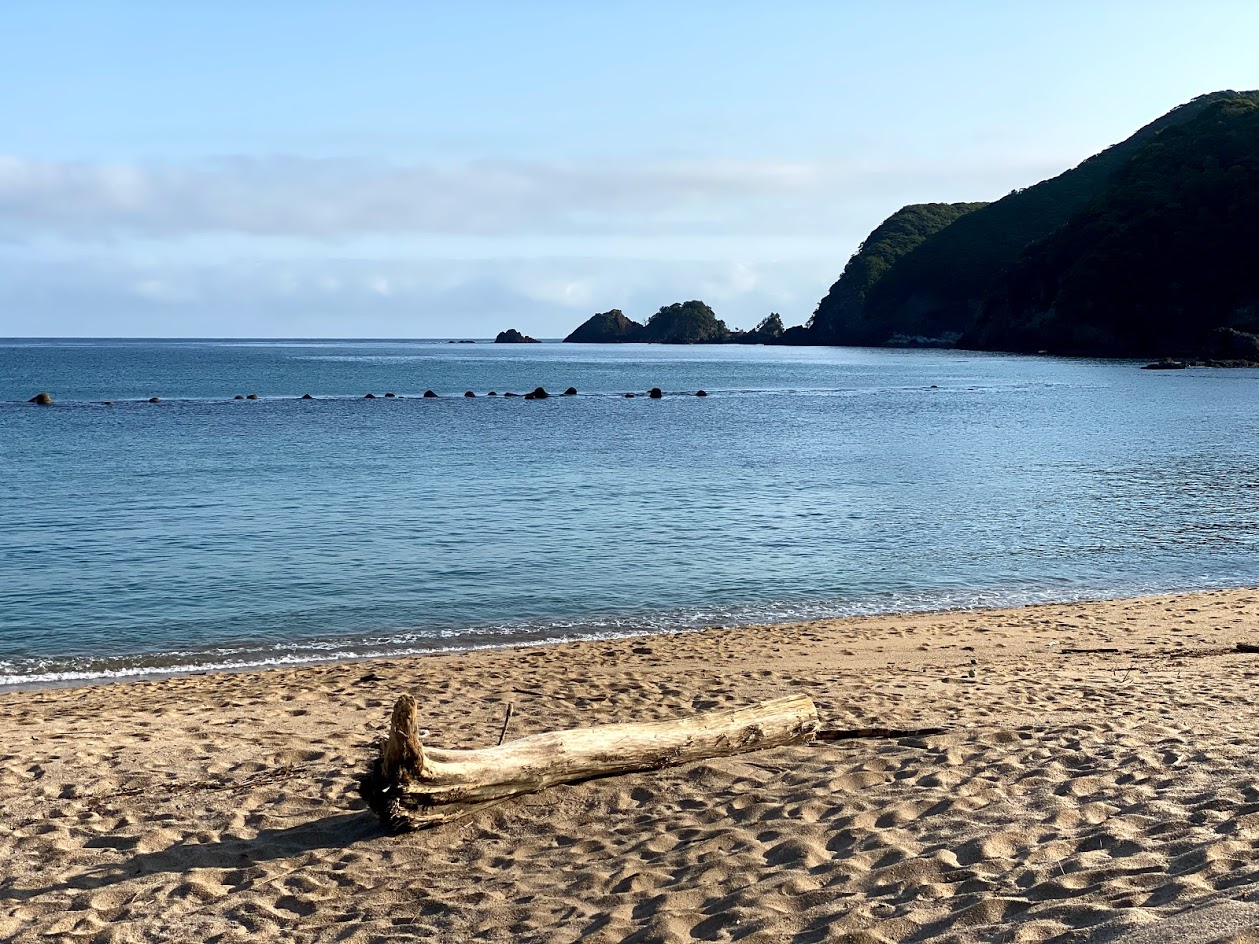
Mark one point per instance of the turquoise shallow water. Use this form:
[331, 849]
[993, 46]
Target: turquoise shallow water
[206, 532]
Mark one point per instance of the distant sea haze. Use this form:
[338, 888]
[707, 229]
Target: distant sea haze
[207, 532]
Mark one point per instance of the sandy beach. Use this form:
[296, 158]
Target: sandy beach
[1075, 796]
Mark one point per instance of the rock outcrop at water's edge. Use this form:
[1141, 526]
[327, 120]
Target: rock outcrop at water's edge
[606, 327]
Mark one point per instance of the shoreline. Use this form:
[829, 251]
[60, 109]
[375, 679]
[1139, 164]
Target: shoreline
[1078, 792]
[140, 673]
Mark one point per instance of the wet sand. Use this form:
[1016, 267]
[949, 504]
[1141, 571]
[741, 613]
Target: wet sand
[1075, 796]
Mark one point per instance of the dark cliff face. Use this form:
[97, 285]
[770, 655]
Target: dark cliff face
[1156, 263]
[938, 288]
[607, 327]
[512, 336]
[841, 316]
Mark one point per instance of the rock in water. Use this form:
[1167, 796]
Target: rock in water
[701, 393]
[429, 394]
[43, 399]
[606, 327]
[239, 396]
[655, 393]
[470, 394]
[307, 396]
[369, 396]
[390, 396]
[512, 336]
[155, 399]
[540, 394]
[570, 392]
[252, 396]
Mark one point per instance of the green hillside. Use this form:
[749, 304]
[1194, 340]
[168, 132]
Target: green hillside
[840, 317]
[1153, 264]
[937, 289]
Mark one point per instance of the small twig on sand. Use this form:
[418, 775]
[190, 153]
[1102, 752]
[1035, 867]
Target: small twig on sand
[502, 735]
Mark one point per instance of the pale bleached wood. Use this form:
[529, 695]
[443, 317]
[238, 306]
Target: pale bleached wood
[411, 786]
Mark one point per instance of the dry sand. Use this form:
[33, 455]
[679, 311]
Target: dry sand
[1085, 796]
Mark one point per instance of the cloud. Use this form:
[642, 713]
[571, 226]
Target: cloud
[384, 298]
[344, 198]
[329, 198]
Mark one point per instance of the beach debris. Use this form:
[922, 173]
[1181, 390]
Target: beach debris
[502, 735]
[411, 787]
[1250, 647]
[42, 399]
[1081, 652]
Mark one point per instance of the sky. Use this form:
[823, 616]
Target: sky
[411, 169]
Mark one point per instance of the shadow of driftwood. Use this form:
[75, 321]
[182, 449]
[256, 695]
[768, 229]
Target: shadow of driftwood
[331, 832]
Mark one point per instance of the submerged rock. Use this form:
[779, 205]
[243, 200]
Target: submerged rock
[42, 399]
[511, 394]
[252, 396]
[629, 396]
[239, 396]
[1165, 364]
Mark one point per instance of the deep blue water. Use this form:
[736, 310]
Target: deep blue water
[203, 531]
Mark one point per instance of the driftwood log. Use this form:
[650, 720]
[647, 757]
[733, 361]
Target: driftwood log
[410, 786]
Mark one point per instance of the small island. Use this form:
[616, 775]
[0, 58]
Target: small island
[691, 322]
[512, 336]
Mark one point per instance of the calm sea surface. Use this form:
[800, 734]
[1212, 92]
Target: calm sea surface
[207, 532]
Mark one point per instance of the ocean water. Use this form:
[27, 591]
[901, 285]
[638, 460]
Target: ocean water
[205, 532]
